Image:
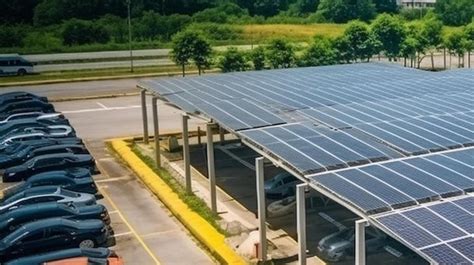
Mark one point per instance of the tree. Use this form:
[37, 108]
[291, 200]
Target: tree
[430, 37]
[303, 7]
[408, 49]
[201, 53]
[455, 12]
[469, 33]
[320, 52]
[280, 53]
[232, 60]
[362, 44]
[257, 56]
[456, 44]
[341, 11]
[268, 8]
[390, 31]
[386, 6]
[78, 32]
[17, 11]
[182, 48]
[342, 49]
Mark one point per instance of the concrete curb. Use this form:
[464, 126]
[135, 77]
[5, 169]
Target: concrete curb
[93, 97]
[198, 226]
[100, 78]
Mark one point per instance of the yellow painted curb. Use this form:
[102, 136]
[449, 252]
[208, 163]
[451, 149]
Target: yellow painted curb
[197, 225]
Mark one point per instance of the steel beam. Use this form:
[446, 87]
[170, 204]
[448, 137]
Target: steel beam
[156, 131]
[186, 156]
[144, 116]
[211, 170]
[360, 242]
[301, 222]
[260, 174]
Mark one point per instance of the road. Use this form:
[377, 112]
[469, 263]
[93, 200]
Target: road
[101, 65]
[80, 89]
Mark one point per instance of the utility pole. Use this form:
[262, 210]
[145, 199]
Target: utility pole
[129, 3]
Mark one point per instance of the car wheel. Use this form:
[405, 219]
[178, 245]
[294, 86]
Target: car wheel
[87, 243]
[21, 72]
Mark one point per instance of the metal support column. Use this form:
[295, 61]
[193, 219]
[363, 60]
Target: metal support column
[262, 246]
[221, 136]
[301, 222]
[186, 156]
[360, 242]
[156, 131]
[144, 116]
[211, 170]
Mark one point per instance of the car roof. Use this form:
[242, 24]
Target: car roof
[32, 208]
[60, 146]
[62, 254]
[62, 155]
[66, 172]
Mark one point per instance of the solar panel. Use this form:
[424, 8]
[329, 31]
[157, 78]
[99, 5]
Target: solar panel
[311, 150]
[441, 231]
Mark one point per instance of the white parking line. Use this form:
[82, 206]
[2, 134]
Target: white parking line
[123, 234]
[101, 109]
[102, 105]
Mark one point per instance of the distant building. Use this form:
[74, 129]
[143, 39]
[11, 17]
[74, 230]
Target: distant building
[416, 3]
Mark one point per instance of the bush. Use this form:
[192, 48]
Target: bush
[220, 14]
[257, 56]
[152, 26]
[12, 36]
[116, 27]
[78, 32]
[214, 31]
[232, 60]
[413, 13]
[320, 52]
[42, 41]
[280, 53]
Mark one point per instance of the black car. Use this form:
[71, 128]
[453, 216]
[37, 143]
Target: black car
[53, 234]
[19, 96]
[18, 125]
[13, 148]
[45, 163]
[31, 152]
[84, 184]
[12, 219]
[32, 105]
[40, 259]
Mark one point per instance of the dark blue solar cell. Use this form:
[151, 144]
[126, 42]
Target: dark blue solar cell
[442, 131]
[325, 158]
[226, 118]
[464, 156]
[466, 203]
[446, 161]
[390, 195]
[442, 254]
[186, 104]
[434, 224]
[337, 150]
[328, 117]
[465, 246]
[455, 125]
[413, 189]
[455, 214]
[295, 158]
[407, 230]
[424, 179]
[449, 175]
[352, 194]
[259, 137]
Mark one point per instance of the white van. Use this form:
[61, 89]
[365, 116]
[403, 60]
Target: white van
[14, 64]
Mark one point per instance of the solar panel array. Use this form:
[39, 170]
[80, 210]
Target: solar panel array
[341, 127]
[441, 231]
[396, 184]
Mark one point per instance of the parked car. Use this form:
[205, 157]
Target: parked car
[31, 152]
[53, 234]
[281, 185]
[38, 116]
[18, 125]
[116, 260]
[337, 246]
[48, 257]
[45, 163]
[14, 64]
[46, 194]
[84, 184]
[14, 147]
[19, 96]
[52, 131]
[13, 219]
[32, 105]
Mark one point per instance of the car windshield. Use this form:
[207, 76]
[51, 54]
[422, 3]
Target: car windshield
[69, 193]
[346, 235]
[14, 148]
[15, 236]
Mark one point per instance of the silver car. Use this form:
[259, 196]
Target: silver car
[46, 194]
[281, 185]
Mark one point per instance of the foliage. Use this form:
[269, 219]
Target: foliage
[413, 13]
[390, 31]
[152, 26]
[362, 44]
[320, 52]
[408, 47]
[456, 43]
[232, 60]
[116, 27]
[455, 12]
[430, 34]
[268, 8]
[303, 7]
[42, 40]
[17, 11]
[220, 14]
[341, 11]
[386, 6]
[280, 53]
[11, 36]
[215, 31]
[77, 32]
[201, 53]
[188, 45]
[258, 57]
[342, 48]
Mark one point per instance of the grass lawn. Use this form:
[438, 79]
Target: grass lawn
[293, 32]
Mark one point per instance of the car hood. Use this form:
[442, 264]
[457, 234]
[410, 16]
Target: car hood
[333, 242]
[14, 170]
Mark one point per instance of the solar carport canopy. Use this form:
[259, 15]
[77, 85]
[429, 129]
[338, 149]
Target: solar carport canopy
[385, 141]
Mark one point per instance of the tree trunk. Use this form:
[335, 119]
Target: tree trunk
[444, 59]
[459, 61]
[184, 70]
[199, 70]
[469, 59]
[405, 61]
[432, 61]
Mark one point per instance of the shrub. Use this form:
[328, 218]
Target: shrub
[12, 36]
[83, 32]
[43, 41]
[280, 53]
[232, 60]
[257, 56]
[320, 52]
